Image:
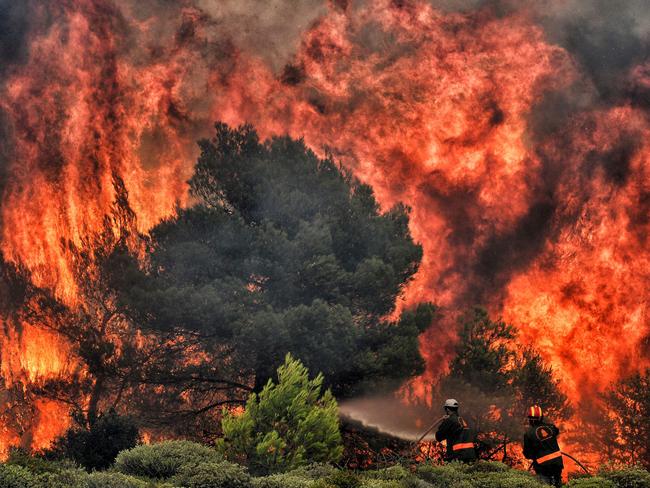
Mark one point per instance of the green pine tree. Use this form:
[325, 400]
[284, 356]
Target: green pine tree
[289, 424]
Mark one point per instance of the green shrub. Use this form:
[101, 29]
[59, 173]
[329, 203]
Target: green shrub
[413, 482]
[344, 479]
[322, 483]
[510, 479]
[285, 480]
[288, 425]
[96, 448]
[36, 464]
[68, 478]
[12, 476]
[314, 471]
[590, 482]
[163, 460]
[451, 474]
[109, 479]
[212, 475]
[487, 467]
[391, 473]
[628, 478]
[380, 483]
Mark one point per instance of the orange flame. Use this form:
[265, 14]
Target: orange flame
[432, 109]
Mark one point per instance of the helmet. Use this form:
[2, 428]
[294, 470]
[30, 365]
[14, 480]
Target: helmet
[535, 412]
[451, 403]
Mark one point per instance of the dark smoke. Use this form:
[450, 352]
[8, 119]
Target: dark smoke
[14, 27]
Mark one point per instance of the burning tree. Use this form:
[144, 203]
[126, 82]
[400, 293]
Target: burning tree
[628, 415]
[284, 252]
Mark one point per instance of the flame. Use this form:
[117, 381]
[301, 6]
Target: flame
[432, 109]
[36, 353]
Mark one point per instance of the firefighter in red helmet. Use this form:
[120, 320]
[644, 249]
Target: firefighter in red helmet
[454, 430]
[540, 445]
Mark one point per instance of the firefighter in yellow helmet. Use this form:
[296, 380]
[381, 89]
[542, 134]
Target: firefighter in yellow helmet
[454, 430]
[540, 445]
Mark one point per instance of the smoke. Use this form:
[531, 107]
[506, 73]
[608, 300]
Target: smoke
[606, 38]
[391, 415]
[13, 33]
[270, 28]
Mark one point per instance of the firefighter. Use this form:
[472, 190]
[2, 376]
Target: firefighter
[540, 445]
[454, 430]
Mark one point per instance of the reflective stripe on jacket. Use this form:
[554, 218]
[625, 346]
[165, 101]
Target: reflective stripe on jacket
[456, 432]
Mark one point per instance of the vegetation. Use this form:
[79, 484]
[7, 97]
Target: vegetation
[288, 425]
[222, 474]
[96, 447]
[165, 459]
[284, 252]
[12, 476]
[629, 402]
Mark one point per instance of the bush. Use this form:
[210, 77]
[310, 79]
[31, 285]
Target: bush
[411, 482]
[380, 483]
[285, 480]
[451, 474]
[591, 482]
[212, 475]
[509, 479]
[15, 477]
[69, 478]
[97, 447]
[114, 480]
[391, 473]
[344, 479]
[287, 426]
[487, 467]
[36, 464]
[312, 476]
[628, 478]
[163, 460]
[314, 471]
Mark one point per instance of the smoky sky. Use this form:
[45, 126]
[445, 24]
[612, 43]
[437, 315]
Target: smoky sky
[606, 39]
[14, 26]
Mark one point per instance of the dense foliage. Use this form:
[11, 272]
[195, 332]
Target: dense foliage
[97, 446]
[283, 252]
[288, 425]
[222, 474]
[628, 402]
[164, 459]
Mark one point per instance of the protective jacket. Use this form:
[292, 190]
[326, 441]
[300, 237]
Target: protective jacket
[460, 442]
[540, 445]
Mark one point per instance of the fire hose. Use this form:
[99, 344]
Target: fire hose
[433, 426]
[574, 460]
